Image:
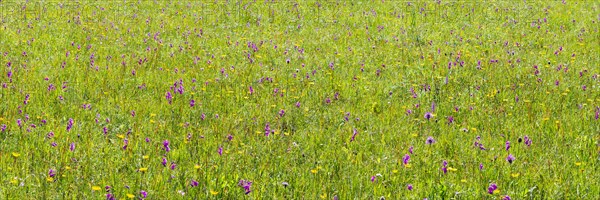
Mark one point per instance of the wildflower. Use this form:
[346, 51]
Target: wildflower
[144, 194]
[480, 166]
[510, 158]
[70, 124]
[229, 137]
[96, 188]
[445, 166]
[72, 146]
[527, 141]
[354, 133]
[507, 145]
[281, 113]
[192, 103]
[125, 143]
[3, 128]
[220, 151]
[166, 145]
[410, 149]
[173, 165]
[285, 184]
[194, 183]
[405, 159]
[110, 196]
[298, 104]
[428, 115]
[506, 197]
[373, 178]
[429, 140]
[251, 90]
[493, 187]
[450, 119]
[51, 173]
[169, 97]
[246, 185]
[164, 161]
[409, 187]
[267, 129]
[19, 122]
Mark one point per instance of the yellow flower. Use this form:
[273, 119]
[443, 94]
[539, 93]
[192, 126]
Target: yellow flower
[131, 196]
[213, 192]
[15, 154]
[50, 179]
[14, 181]
[323, 196]
[120, 136]
[463, 180]
[314, 171]
[145, 157]
[578, 163]
[67, 167]
[196, 166]
[395, 171]
[515, 175]
[143, 169]
[496, 191]
[452, 169]
[96, 188]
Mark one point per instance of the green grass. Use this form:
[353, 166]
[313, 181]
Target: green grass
[370, 53]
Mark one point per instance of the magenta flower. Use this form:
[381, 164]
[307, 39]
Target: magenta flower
[51, 173]
[405, 159]
[506, 197]
[527, 141]
[192, 103]
[166, 145]
[72, 147]
[492, 187]
[429, 140]
[144, 194]
[164, 161]
[428, 115]
[194, 183]
[409, 187]
[510, 158]
[246, 185]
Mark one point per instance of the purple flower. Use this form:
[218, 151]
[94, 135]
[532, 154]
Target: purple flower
[19, 122]
[373, 178]
[246, 185]
[506, 197]
[510, 158]
[298, 104]
[144, 194]
[492, 187]
[251, 90]
[281, 113]
[267, 129]
[354, 132]
[125, 143]
[220, 151]
[507, 145]
[72, 147]
[51, 173]
[147, 139]
[428, 115]
[194, 183]
[405, 159]
[192, 103]
[3, 128]
[480, 166]
[169, 97]
[164, 162]
[173, 165]
[328, 100]
[410, 149]
[409, 187]
[527, 141]
[429, 140]
[166, 145]
[70, 124]
[110, 196]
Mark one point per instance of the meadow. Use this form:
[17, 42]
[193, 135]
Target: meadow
[299, 99]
